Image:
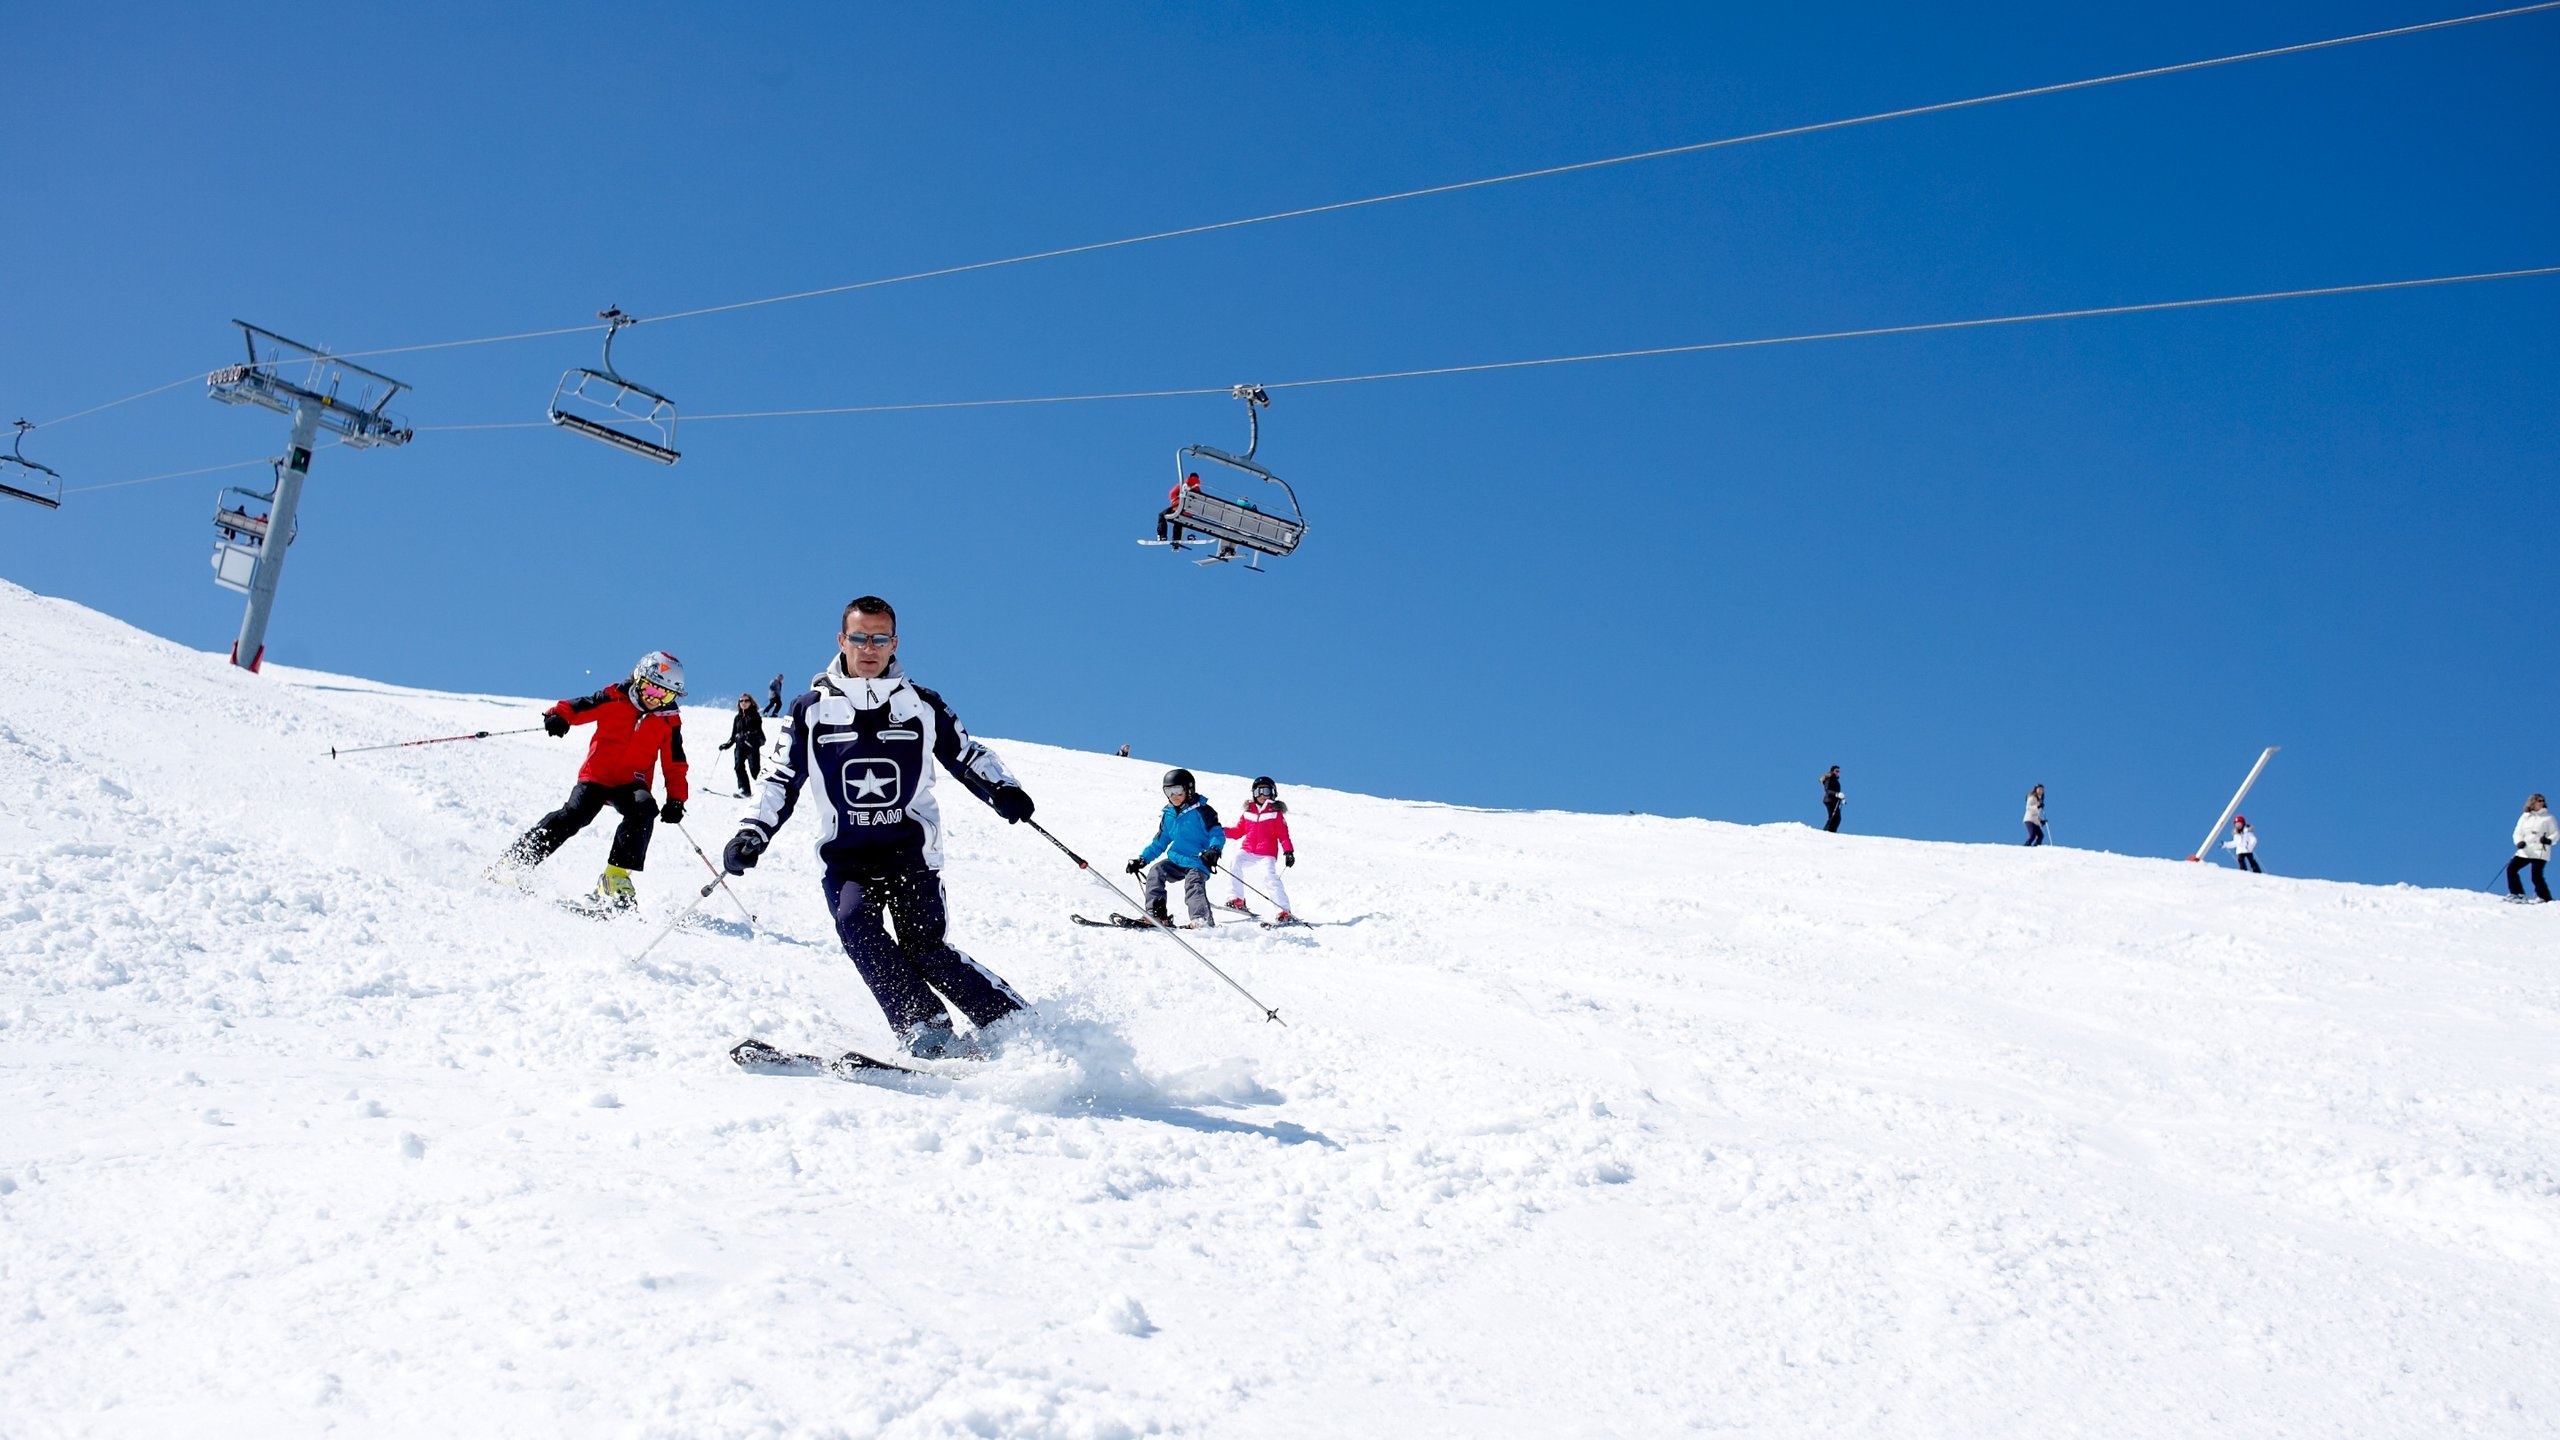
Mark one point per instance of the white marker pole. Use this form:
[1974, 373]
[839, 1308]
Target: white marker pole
[2234, 807]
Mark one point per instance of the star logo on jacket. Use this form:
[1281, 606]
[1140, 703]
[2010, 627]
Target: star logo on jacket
[873, 782]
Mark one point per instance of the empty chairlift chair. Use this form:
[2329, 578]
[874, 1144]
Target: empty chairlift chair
[603, 405]
[1235, 524]
[24, 479]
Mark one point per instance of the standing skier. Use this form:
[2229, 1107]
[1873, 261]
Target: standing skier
[1189, 838]
[1264, 829]
[2243, 845]
[746, 737]
[773, 704]
[870, 738]
[1831, 801]
[637, 731]
[2035, 817]
[2535, 835]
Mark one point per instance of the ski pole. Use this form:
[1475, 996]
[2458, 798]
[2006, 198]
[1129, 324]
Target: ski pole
[1256, 889]
[335, 751]
[1267, 1012]
[673, 921]
[717, 878]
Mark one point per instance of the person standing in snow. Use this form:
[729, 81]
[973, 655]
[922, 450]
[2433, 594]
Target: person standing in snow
[1831, 801]
[746, 737]
[1189, 838]
[2035, 817]
[2535, 835]
[2243, 845]
[870, 739]
[773, 701]
[1264, 829]
[637, 731]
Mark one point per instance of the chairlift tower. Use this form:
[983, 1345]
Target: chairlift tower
[315, 404]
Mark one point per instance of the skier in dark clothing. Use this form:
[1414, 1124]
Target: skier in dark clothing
[870, 738]
[746, 737]
[1831, 801]
[637, 731]
[773, 706]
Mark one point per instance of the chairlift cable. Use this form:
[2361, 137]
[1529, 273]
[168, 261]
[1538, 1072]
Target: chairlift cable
[1923, 327]
[1454, 187]
[180, 474]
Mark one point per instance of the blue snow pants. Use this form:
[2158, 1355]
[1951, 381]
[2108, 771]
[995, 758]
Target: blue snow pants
[917, 974]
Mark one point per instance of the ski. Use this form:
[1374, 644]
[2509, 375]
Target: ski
[757, 1057]
[1116, 922]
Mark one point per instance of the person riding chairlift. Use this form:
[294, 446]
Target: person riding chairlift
[1165, 521]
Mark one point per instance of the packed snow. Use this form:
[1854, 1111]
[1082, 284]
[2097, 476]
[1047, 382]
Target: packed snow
[1579, 1125]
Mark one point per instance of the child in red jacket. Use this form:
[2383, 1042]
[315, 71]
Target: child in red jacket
[1264, 829]
[637, 730]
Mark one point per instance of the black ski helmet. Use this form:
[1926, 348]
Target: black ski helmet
[1262, 783]
[1181, 778]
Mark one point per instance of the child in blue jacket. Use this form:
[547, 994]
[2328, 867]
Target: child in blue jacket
[1189, 838]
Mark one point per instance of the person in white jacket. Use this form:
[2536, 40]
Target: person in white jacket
[2035, 816]
[2243, 844]
[2535, 834]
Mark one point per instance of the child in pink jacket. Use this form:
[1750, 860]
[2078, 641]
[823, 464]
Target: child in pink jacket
[1264, 829]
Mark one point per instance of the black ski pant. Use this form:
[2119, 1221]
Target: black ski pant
[1830, 816]
[917, 974]
[773, 705]
[587, 800]
[2035, 834]
[2515, 886]
[2250, 863]
[749, 765]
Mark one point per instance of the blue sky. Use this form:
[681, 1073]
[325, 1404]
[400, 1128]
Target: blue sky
[2116, 556]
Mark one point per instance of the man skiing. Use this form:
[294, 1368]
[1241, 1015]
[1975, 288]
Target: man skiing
[1831, 801]
[1189, 838]
[746, 738]
[870, 737]
[2536, 832]
[773, 698]
[637, 731]
[1264, 829]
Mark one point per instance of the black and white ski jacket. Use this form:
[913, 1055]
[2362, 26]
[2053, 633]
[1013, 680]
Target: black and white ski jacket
[871, 746]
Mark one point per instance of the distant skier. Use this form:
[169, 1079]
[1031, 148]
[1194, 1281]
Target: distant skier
[870, 738]
[1189, 838]
[637, 731]
[1166, 529]
[1124, 752]
[746, 738]
[1831, 801]
[2035, 817]
[2535, 835]
[773, 702]
[1264, 829]
[2243, 845]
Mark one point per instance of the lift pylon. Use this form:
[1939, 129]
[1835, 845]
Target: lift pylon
[331, 394]
[24, 479]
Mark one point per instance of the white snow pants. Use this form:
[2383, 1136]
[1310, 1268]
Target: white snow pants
[1266, 875]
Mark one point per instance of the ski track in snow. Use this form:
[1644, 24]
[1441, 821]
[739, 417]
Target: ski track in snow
[1585, 1125]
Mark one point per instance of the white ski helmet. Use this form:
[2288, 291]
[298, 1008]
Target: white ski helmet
[660, 669]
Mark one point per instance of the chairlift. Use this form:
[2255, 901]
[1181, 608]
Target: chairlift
[240, 524]
[24, 479]
[1197, 515]
[602, 405]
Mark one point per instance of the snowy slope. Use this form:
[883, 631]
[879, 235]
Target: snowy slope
[1581, 1125]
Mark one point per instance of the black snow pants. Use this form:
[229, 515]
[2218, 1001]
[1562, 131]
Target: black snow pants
[586, 801]
[916, 975]
[750, 764]
[1830, 816]
[2250, 863]
[2515, 886]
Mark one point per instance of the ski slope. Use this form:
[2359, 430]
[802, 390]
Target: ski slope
[1580, 1126]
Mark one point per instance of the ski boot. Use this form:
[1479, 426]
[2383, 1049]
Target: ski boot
[935, 1039]
[1239, 907]
[1284, 918]
[614, 891]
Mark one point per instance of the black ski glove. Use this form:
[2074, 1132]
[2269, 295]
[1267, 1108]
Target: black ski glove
[1208, 862]
[1289, 860]
[672, 812]
[553, 722]
[725, 744]
[745, 848]
[1137, 867]
[1012, 802]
